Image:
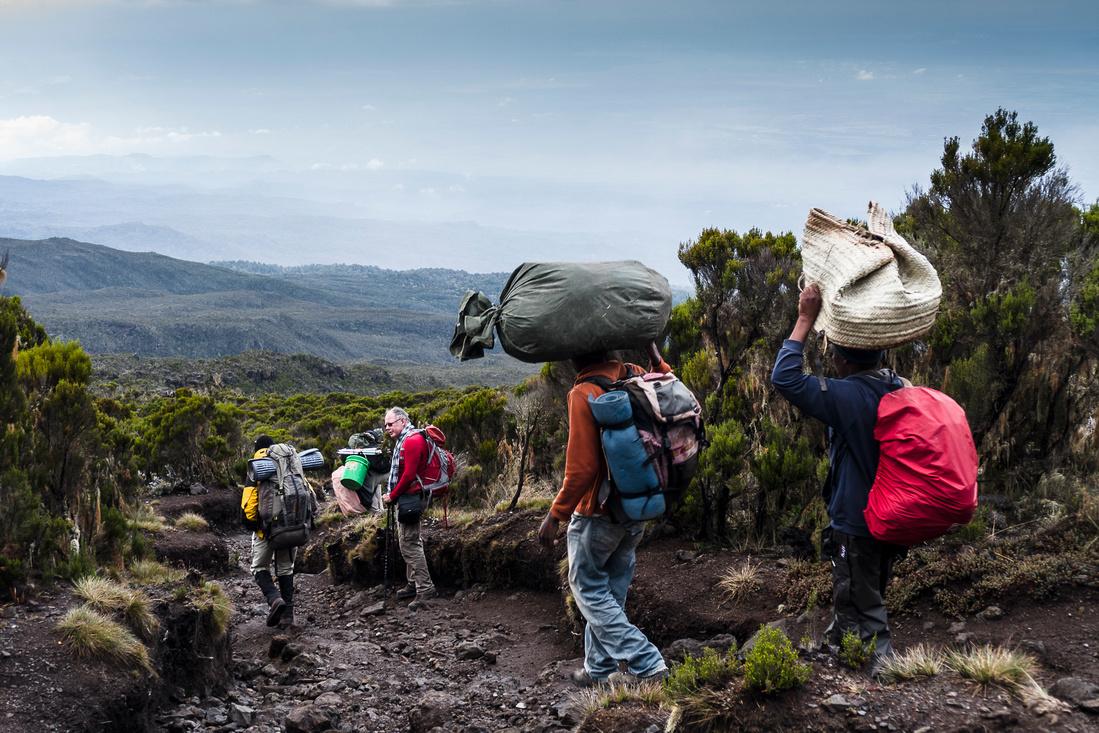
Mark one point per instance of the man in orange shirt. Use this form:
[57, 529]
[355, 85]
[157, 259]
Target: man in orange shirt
[602, 552]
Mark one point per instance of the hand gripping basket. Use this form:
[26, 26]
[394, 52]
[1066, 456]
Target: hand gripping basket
[878, 291]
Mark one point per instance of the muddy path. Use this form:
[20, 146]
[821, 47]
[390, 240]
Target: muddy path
[470, 660]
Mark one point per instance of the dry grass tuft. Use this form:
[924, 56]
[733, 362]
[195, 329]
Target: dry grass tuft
[988, 665]
[89, 634]
[330, 517]
[192, 522]
[210, 597]
[151, 572]
[919, 661]
[587, 702]
[740, 582]
[110, 596]
[541, 503]
[146, 519]
[458, 517]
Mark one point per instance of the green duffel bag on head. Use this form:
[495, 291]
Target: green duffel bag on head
[551, 311]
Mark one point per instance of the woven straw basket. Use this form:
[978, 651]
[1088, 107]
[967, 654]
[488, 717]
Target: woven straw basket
[878, 291]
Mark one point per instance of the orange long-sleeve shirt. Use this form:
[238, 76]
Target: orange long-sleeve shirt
[585, 466]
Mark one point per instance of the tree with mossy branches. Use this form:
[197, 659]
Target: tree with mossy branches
[1000, 223]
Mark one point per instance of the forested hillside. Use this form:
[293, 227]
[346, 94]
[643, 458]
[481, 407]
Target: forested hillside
[150, 305]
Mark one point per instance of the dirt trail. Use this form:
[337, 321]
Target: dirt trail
[478, 660]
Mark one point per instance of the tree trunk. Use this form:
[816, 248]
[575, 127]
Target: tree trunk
[522, 471]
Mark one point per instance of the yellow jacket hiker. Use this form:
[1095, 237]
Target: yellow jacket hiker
[249, 502]
[280, 600]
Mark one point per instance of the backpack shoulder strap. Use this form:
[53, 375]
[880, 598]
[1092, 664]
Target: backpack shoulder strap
[602, 382]
[884, 376]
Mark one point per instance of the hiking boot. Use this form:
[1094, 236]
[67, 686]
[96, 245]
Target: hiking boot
[409, 591]
[427, 594]
[879, 664]
[287, 619]
[278, 607]
[582, 679]
[625, 678]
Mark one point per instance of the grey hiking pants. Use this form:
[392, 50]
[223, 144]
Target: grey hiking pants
[262, 554]
[412, 550]
[861, 569]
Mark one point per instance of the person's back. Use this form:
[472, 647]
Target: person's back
[849, 407]
[280, 600]
[861, 566]
[601, 551]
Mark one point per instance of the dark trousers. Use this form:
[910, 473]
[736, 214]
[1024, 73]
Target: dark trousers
[861, 569]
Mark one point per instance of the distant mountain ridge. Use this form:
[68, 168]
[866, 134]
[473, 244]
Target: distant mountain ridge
[256, 222]
[148, 304]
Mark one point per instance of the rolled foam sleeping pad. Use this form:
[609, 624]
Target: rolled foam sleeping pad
[311, 459]
[633, 474]
[262, 468]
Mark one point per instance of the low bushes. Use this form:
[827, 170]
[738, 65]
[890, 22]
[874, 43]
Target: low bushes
[772, 664]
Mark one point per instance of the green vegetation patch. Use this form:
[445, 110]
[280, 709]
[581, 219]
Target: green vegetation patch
[772, 664]
[694, 673]
[210, 598]
[854, 652]
[151, 572]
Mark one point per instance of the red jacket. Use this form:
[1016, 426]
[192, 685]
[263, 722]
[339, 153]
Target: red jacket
[415, 460]
[585, 466]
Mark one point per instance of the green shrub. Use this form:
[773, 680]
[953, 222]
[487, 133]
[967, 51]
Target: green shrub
[12, 575]
[113, 537]
[75, 567]
[772, 664]
[854, 652]
[709, 670]
[976, 530]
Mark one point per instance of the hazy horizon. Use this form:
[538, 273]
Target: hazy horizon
[608, 129]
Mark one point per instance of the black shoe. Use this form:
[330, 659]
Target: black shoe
[287, 619]
[582, 679]
[278, 606]
[409, 591]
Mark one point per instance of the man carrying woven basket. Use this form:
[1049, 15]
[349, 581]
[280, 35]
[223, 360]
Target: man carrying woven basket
[861, 565]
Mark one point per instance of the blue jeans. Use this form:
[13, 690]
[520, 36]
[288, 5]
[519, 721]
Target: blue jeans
[602, 556]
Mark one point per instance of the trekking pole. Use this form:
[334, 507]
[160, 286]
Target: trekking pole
[385, 561]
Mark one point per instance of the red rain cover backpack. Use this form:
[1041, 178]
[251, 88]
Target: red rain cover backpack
[927, 469]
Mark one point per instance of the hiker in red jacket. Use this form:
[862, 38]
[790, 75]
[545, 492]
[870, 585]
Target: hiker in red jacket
[411, 470]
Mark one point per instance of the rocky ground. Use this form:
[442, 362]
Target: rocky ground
[494, 652]
[473, 660]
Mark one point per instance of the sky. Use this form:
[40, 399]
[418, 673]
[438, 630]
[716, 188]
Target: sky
[646, 121]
